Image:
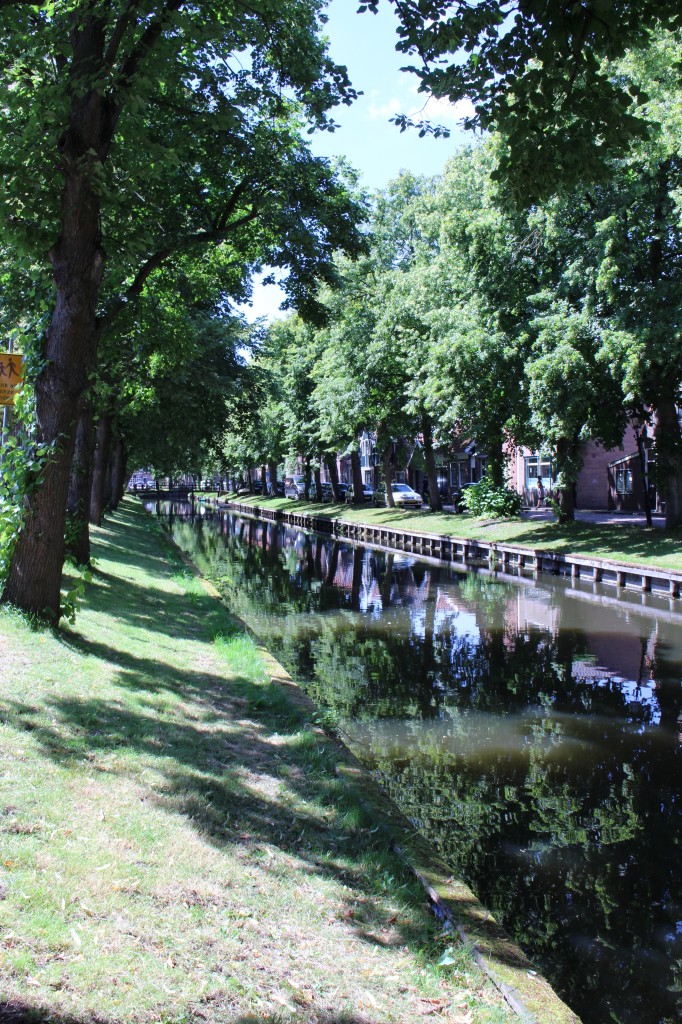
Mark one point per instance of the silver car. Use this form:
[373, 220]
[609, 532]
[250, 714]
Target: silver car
[403, 496]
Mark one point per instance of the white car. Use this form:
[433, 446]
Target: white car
[403, 496]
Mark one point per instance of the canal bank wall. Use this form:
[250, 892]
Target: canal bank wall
[498, 557]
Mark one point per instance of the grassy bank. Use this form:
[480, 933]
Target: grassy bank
[176, 844]
[622, 542]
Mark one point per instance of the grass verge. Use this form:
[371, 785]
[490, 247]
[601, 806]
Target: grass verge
[176, 842]
[620, 543]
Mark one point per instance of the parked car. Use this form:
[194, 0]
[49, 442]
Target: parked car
[366, 495]
[328, 494]
[276, 490]
[294, 487]
[403, 496]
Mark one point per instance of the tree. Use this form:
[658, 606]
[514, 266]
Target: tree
[572, 395]
[456, 307]
[540, 74]
[161, 140]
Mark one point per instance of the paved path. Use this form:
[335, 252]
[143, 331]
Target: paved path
[599, 518]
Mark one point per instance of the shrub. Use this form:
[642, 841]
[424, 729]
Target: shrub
[484, 499]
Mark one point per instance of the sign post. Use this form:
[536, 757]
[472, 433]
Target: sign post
[11, 377]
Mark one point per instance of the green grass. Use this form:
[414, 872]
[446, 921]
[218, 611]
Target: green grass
[621, 542]
[176, 843]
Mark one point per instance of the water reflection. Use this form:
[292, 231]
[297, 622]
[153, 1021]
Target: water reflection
[531, 731]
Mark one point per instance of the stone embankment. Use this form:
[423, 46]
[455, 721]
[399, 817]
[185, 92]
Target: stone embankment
[493, 556]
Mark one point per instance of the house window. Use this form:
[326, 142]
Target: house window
[459, 473]
[623, 480]
[365, 451]
[538, 466]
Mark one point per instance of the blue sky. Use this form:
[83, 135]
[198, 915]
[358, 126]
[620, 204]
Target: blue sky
[365, 43]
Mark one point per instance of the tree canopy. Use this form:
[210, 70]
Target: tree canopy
[542, 73]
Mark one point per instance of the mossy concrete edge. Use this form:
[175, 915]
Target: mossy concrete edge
[525, 990]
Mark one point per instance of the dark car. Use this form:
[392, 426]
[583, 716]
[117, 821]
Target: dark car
[276, 490]
[328, 494]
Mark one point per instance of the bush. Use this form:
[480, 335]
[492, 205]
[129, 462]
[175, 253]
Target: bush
[484, 499]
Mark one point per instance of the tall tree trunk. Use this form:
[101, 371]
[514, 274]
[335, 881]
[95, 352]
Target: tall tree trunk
[80, 483]
[70, 345]
[264, 480]
[496, 461]
[565, 456]
[272, 466]
[306, 480]
[118, 470]
[333, 470]
[641, 451]
[318, 484]
[107, 492]
[387, 464]
[669, 460]
[356, 474]
[430, 460]
[100, 468]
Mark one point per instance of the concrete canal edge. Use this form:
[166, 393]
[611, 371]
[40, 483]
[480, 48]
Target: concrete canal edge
[499, 557]
[524, 989]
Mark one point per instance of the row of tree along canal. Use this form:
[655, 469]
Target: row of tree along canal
[532, 733]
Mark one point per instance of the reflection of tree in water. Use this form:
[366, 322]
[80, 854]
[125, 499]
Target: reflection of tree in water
[531, 773]
[559, 848]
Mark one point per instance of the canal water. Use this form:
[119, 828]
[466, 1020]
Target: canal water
[531, 728]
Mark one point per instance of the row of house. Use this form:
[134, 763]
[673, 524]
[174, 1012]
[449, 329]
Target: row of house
[612, 479]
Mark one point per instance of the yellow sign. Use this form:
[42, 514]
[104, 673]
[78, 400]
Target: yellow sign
[11, 376]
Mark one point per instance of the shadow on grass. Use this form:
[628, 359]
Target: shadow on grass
[19, 1012]
[627, 543]
[233, 756]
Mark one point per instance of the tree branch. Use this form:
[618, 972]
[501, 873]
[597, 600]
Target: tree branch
[118, 32]
[147, 40]
[161, 257]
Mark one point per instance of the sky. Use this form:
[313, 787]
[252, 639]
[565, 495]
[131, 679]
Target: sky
[365, 43]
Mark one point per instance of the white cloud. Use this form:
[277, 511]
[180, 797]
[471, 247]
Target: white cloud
[383, 111]
[420, 106]
[443, 111]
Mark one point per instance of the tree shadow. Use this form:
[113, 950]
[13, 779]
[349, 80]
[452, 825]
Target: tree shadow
[583, 538]
[16, 1011]
[236, 762]
[234, 757]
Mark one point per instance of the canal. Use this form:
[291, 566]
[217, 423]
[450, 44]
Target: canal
[531, 728]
